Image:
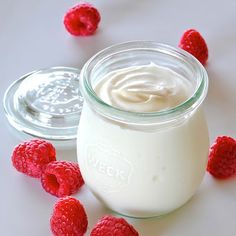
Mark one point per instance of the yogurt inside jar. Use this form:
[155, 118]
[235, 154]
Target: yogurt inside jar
[142, 139]
[144, 88]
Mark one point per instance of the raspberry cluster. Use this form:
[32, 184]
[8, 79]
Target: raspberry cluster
[37, 158]
[69, 218]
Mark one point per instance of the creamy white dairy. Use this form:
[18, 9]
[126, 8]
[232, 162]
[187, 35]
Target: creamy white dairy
[135, 170]
[142, 173]
[146, 88]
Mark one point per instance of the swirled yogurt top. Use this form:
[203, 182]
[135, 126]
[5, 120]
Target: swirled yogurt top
[146, 88]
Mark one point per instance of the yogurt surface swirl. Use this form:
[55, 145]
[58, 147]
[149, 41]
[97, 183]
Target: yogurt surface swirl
[146, 88]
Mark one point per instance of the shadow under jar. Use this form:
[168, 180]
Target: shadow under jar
[143, 164]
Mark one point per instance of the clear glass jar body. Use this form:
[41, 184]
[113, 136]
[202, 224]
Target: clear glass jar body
[142, 164]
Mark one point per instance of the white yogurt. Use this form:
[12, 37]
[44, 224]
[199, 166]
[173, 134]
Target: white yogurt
[135, 170]
[146, 88]
[140, 173]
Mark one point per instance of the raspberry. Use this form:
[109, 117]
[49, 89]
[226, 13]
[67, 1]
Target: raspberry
[194, 43]
[82, 20]
[62, 178]
[110, 225]
[222, 158]
[31, 157]
[68, 218]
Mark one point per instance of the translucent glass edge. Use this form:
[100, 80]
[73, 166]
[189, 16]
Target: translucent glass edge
[186, 105]
[20, 126]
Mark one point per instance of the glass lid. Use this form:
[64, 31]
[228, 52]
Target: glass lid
[46, 103]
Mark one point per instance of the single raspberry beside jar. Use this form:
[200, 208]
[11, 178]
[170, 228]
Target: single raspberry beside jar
[110, 225]
[62, 178]
[32, 156]
[69, 218]
[193, 42]
[82, 20]
[222, 158]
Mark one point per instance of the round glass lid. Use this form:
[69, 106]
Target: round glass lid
[46, 103]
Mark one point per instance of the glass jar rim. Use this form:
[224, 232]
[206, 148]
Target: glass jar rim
[184, 108]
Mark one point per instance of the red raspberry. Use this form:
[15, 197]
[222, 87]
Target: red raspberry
[110, 225]
[222, 158]
[82, 20]
[31, 157]
[68, 218]
[62, 178]
[194, 43]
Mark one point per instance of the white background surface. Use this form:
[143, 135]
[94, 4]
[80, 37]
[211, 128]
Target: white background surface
[33, 36]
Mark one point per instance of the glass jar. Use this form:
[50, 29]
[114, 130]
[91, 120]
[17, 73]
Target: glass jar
[143, 164]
